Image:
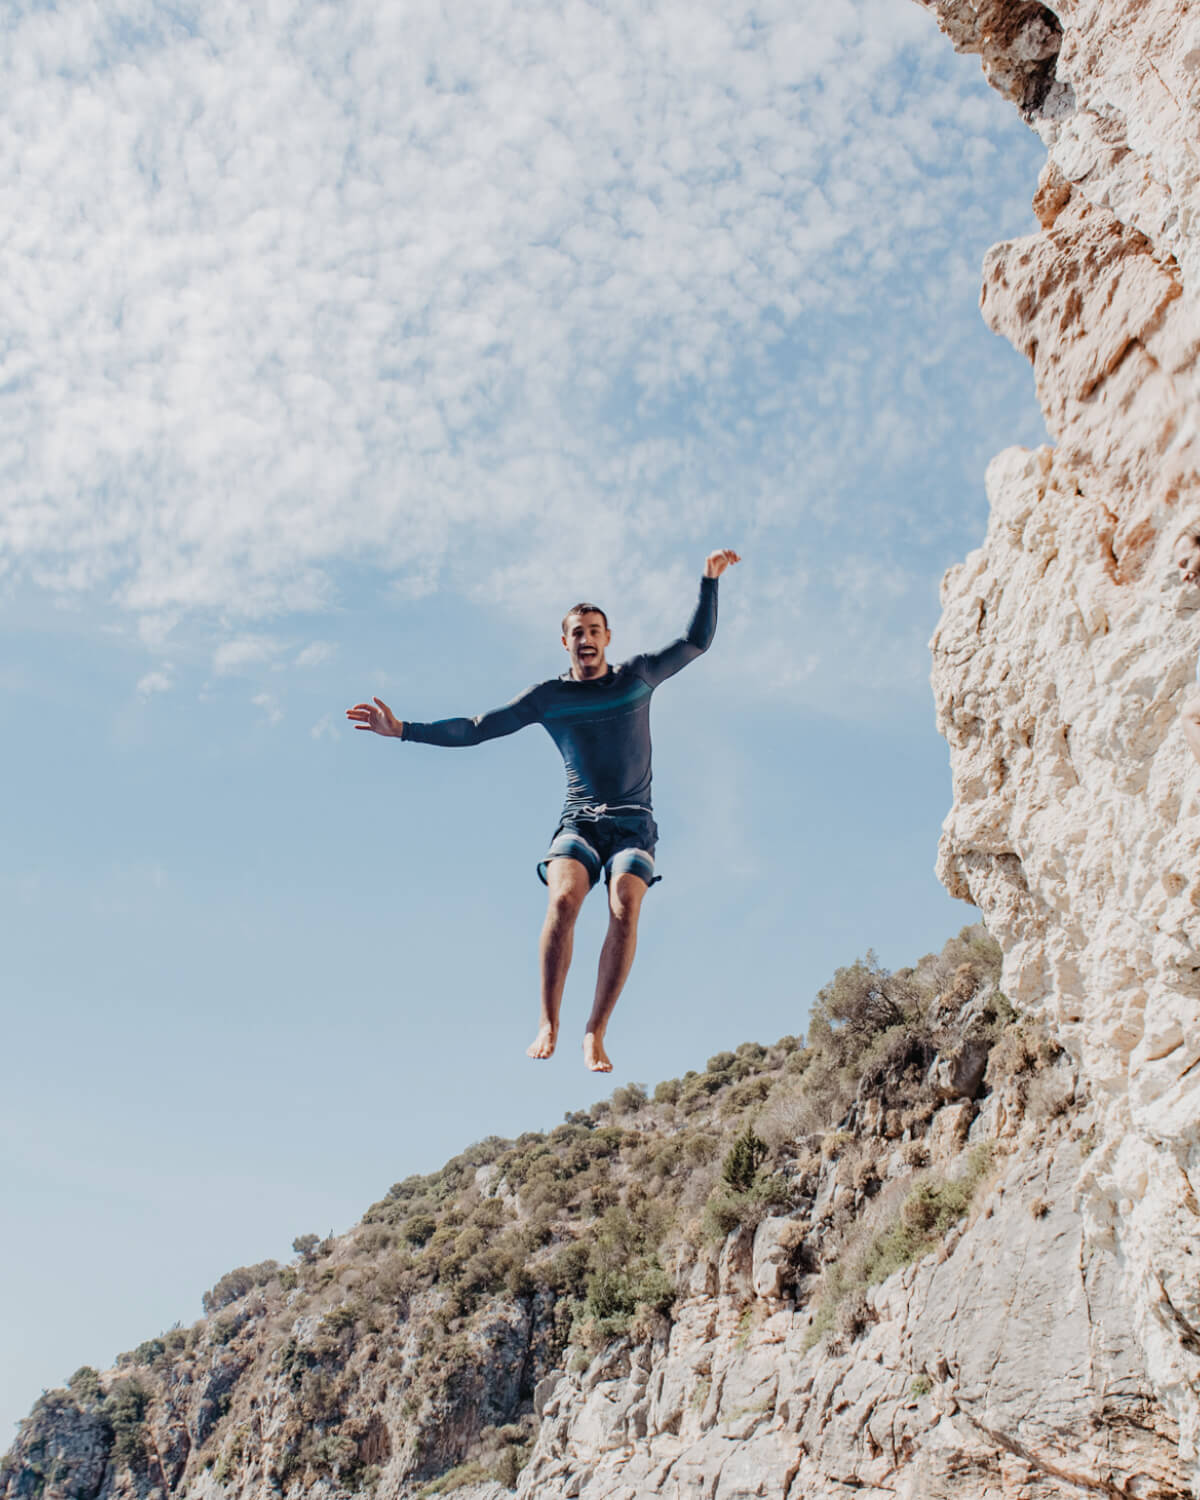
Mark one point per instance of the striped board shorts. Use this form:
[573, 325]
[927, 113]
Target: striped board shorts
[606, 840]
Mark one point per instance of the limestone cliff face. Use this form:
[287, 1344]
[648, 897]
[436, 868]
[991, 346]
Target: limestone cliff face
[1066, 646]
[1003, 1366]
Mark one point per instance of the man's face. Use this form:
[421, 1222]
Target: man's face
[586, 640]
[1187, 558]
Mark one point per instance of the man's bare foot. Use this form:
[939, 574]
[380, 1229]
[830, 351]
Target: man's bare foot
[594, 1054]
[543, 1044]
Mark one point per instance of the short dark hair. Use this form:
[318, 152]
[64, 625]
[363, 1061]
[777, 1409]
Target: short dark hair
[584, 609]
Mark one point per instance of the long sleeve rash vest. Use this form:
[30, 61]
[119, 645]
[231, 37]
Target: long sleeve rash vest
[601, 725]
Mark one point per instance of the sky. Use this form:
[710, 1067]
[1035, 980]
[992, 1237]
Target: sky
[342, 348]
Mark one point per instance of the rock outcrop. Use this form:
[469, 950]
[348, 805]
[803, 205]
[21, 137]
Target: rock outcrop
[1066, 646]
[957, 1384]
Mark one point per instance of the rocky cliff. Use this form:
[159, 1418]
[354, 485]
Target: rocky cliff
[1066, 646]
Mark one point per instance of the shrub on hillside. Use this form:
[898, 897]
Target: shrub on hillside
[85, 1386]
[630, 1099]
[614, 1297]
[729, 1208]
[237, 1283]
[862, 999]
[743, 1160]
[742, 1196]
[125, 1407]
[418, 1230]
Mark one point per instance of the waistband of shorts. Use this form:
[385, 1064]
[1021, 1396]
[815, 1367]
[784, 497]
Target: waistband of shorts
[607, 810]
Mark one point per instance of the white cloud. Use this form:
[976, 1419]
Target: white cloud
[243, 651]
[477, 300]
[324, 728]
[158, 681]
[315, 653]
[269, 704]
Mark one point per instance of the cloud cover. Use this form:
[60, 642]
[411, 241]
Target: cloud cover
[485, 300]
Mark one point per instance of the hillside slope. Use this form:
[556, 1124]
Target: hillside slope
[808, 1270]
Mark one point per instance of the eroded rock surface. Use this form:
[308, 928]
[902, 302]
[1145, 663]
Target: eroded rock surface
[1066, 647]
[1005, 1365]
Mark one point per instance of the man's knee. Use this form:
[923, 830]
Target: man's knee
[565, 904]
[569, 884]
[625, 894]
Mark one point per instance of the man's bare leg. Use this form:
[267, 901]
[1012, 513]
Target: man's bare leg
[569, 884]
[625, 894]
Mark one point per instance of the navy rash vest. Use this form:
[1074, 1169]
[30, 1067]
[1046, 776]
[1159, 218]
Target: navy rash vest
[601, 725]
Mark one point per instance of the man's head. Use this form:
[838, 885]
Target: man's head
[1186, 553]
[586, 635]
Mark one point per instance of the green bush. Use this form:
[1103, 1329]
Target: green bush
[339, 1318]
[729, 1208]
[125, 1407]
[224, 1329]
[149, 1352]
[566, 1270]
[931, 1208]
[236, 1283]
[860, 1001]
[84, 1385]
[701, 1087]
[743, 1096]
[456, 1479]
[630, 1099]
[615, 1297]
[508, 1466]
[743, 1160]
[419, 1230]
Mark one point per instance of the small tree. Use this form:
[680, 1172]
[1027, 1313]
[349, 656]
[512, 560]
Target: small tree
[743, 1160]
[305, 1245]
[861, 999]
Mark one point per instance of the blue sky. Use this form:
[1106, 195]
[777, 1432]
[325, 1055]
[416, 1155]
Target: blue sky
[342, 349]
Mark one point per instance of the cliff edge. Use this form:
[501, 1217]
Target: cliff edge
[1066, 646]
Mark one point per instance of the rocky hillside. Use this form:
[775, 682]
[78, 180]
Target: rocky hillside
[810, 1269]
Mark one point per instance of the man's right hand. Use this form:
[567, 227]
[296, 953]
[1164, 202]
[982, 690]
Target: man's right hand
[377, 717]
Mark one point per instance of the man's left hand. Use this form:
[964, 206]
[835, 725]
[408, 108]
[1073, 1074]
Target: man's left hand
[719, 561]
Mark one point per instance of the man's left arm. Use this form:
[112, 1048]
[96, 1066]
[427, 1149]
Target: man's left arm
[657, 666]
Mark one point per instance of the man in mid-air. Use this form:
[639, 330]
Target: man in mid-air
[599, 717]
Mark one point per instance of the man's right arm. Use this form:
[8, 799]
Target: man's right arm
[453, 733]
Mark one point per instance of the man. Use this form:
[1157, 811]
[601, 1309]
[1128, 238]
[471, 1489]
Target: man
[599, 717]
[1186, 554]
